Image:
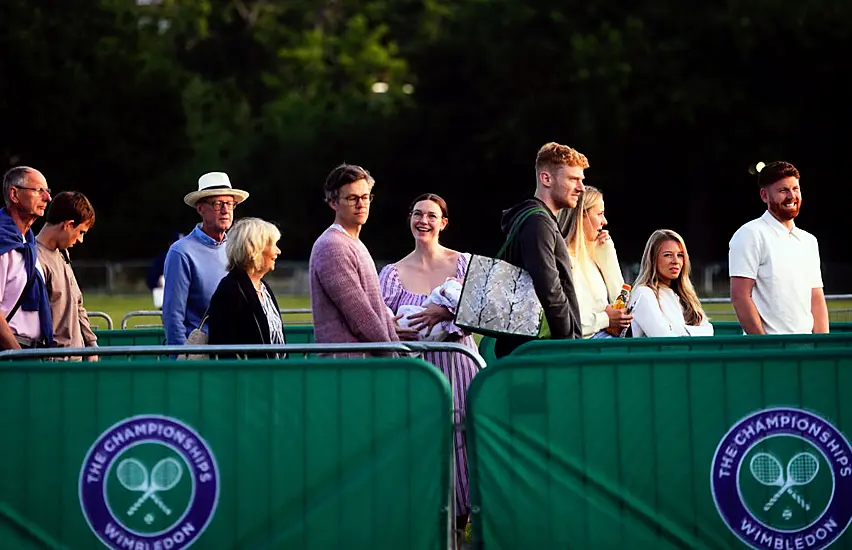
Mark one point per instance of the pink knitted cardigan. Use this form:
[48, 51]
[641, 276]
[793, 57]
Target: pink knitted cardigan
[346, 299]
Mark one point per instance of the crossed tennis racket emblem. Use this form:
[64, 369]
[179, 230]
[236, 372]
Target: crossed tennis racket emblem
[164, 476]
[801, 470]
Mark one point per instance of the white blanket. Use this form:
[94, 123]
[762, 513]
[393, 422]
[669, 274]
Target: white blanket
[446, 295]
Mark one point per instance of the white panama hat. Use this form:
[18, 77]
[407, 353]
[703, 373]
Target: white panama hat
[213, 184]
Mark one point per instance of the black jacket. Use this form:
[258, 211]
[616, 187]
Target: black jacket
[235, 315]
[539, 247]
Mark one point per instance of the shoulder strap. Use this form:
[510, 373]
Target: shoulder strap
[516, 226]
[30, 280]
[204, 318]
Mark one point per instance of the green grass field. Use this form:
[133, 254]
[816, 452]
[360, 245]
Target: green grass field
[117, 306]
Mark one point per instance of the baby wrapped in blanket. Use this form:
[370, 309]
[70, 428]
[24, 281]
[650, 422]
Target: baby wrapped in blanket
[446, 295]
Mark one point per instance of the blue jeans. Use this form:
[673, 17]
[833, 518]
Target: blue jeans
[602, 334]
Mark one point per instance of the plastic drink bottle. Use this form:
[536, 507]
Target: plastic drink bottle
[620, 303]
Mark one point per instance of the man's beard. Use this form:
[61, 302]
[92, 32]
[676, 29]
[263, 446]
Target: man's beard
[784, 214]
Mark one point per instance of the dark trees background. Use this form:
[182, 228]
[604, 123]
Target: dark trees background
[672, 104]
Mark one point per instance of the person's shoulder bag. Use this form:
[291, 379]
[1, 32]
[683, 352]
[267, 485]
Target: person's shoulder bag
[498, 298]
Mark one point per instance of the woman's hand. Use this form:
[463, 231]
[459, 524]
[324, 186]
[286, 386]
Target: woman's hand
[405, 334]
[618, 318]
[429, 317]
[602, 237]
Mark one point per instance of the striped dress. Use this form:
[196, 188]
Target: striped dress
[394, 295]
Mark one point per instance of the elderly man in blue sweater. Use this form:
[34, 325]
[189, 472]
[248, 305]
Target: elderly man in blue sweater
[196, 263]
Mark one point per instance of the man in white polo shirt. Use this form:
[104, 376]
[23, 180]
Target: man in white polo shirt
[776, 283]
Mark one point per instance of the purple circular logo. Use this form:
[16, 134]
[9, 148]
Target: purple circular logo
[149, 481]
[782, 479]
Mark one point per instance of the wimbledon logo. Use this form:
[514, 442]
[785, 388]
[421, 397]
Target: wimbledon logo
[149, 482]
[782, 479]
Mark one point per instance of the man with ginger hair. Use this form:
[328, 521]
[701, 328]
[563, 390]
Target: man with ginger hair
[774, 266]
[539, 246]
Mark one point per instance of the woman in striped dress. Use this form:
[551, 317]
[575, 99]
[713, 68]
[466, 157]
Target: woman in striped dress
[409, 282]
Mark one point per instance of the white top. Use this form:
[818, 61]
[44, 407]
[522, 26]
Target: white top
[785, 266]
[663, 318]
[13, 278]
[599, 288]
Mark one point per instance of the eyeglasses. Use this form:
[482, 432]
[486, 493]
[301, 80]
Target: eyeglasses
[353, 200]
[39, 190]
[223, 205]
[417, 215]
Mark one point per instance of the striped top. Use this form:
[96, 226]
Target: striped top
[273, 317]
[458, 369]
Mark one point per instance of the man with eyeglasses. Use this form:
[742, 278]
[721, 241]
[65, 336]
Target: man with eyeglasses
[26, 321]
[346, 300]
[196, 263]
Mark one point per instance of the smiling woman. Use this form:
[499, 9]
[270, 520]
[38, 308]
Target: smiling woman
[428, 281]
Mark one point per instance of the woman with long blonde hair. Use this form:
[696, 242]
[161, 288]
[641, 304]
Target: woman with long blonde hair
[594, 263]
[663, 298]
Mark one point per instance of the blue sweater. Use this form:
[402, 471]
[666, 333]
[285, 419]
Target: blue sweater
[194, 267]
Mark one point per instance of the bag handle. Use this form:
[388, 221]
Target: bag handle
[516, 226]
[204, 318]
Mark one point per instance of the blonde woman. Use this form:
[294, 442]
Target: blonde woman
[243, 310]
[664, 300]
[594, 263]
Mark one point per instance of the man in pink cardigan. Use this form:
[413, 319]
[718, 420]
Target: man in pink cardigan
[345, 296]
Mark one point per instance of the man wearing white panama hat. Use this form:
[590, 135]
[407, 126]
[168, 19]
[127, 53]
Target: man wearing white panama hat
[196, 263]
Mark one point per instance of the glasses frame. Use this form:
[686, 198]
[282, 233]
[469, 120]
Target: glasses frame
[39, 190]
[233, 204]
[354, 200]
[417, 215]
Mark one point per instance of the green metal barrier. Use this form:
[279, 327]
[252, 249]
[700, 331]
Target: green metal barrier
[299, 334]
[662, 451]
[733, 328]
[486, 349]
[295, 334]
[727, 328]
[132, 337]
[686, 344]
[486, 344]
[326, 453]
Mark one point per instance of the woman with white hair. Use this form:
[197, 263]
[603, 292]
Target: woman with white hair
[243, 310]
[597, 275]
[664, 300]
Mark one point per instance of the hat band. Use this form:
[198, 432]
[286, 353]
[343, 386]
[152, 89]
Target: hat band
[216, 187]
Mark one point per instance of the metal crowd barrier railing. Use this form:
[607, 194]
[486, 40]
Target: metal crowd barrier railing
[101, 315]
[304, 349]
[159, 313]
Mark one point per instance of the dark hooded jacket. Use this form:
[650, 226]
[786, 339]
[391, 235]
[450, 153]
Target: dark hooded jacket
[539, 247]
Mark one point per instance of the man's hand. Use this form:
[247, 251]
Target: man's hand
[429, 317]
[7, 337]
[405, 334]
[618, 318]
[92, 358]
